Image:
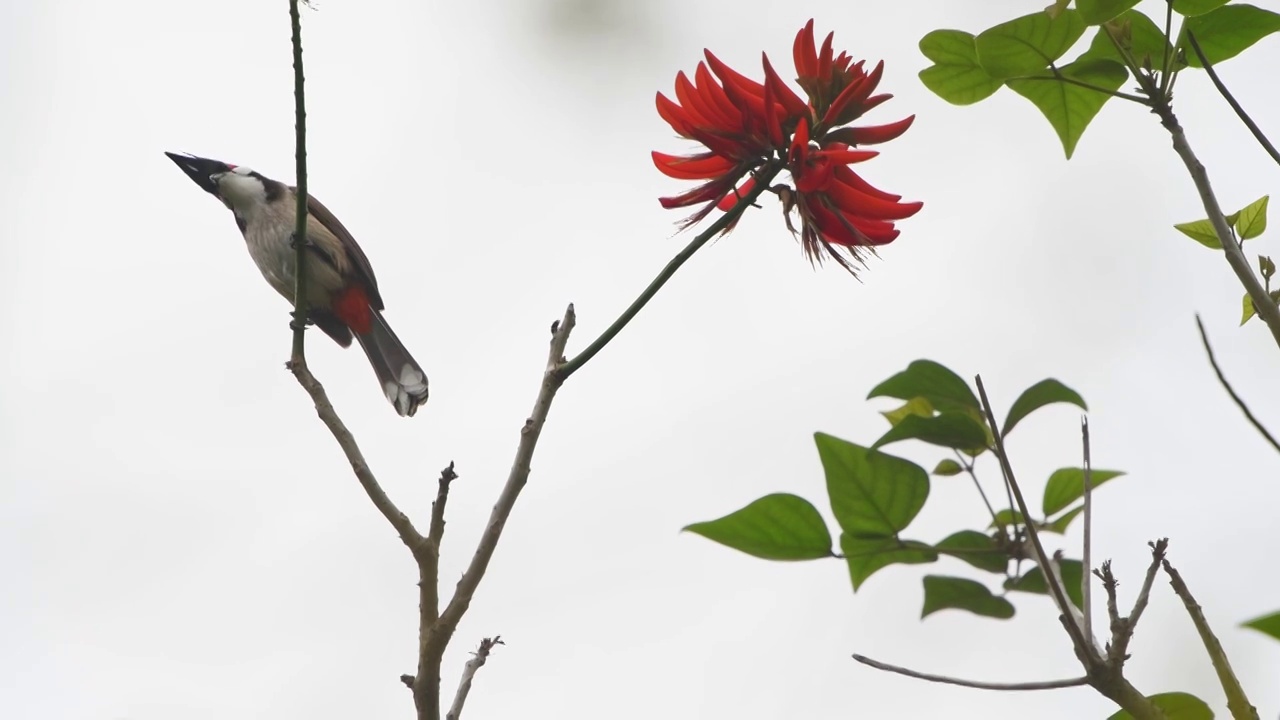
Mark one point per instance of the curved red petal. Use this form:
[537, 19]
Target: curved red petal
[824, 58]
[852, 201]
[692, 167]
[847, 176]
[688, 98]
[674, 115]
[871, 134]
[790, 101]
[772, 126]
[846, 157]
[711, 90]
[804, 53]
[731, 77]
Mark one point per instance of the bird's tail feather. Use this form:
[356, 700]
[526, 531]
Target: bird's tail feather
[402, 379]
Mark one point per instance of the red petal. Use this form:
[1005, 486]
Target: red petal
[803, 52]
[845, 157]
[701, 107]
[852, 179]
[728, 202]
[693, 167]
[772, 126]
[731, 77]
[870, 135]
[824, 58]
[799, 142]
[855, 202]
[711, 89]
[707, 192]
[794, 106]
[674, 115]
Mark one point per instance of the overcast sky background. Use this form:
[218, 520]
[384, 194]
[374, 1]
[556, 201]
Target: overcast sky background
[181, 537]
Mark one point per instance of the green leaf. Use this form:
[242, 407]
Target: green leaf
[1028, 44]
[1176, 706]
[914, 406]
[1227, 31]
[775, 527]
[1045, 392]
[951, 430]
[1201, 231]
[978, 549]
[1060, 524]
[872, 494]
[932, 381]
[1267, 625]
[1143, 39]
[1006, 517]
[865, 556]
[1249, 309]
[1251, 221]
[1033, 582]
[1070, 108]
[1189, 8]
[1066, 485]
[1096, 12]
[948, 468]
[955, 75]
[1266, 266]
[941, 593]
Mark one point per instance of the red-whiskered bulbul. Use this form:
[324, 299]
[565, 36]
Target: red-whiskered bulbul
[342, 293]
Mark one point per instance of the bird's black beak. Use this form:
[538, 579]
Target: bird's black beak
[200, 170]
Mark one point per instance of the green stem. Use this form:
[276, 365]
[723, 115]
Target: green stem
[762, 179]
[1057, 75]
[299, 323]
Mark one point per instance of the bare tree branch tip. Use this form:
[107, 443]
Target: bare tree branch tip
[976, 684]
[1222, 379]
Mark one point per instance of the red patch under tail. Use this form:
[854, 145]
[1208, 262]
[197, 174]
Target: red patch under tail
[351, 306]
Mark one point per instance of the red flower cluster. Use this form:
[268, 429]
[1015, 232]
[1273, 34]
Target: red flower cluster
[749, 127]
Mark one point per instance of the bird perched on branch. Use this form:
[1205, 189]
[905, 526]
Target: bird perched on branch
[342, 293]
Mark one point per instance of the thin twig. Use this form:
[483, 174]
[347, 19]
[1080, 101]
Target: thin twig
[436, 633]
[968, 467]
[1057, 76]
[429, 558]
[1109, 585]
[1267, 308]
[978, 684]
[1237, 702]
[1084, 649]
[1226, 95]
[1257, 425]
[403, 526]
[476, 662]
[299, 323]
[1120, 637]
[762, 179]
[1086, 577]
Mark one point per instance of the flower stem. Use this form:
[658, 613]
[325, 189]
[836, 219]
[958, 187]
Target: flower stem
[762, 179]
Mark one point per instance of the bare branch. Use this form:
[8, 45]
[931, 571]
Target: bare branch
[1257, 425]
[436, 530]
[404, 527]
[1084, 649]
[1237, 702]
[1267, 308]
[476, 662]
[1086, 578]
[436, 632]
[1120, 637]
[978, 684]
[300, 312]
[1226, 95]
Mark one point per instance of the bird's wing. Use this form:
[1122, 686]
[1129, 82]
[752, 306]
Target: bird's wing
[359, 262]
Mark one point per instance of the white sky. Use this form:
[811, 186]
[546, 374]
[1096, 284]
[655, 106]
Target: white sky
[180, 537]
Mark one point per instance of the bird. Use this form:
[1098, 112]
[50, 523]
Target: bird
[342, 292]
